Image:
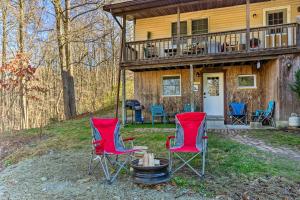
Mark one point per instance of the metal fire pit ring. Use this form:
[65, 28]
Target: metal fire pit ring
[151, 175]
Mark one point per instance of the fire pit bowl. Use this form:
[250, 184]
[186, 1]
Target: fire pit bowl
[151, 175]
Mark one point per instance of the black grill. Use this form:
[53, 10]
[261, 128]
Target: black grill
[136, 107]
[133, 104]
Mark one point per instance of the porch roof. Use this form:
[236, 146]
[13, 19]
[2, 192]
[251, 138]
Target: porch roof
[138, 9]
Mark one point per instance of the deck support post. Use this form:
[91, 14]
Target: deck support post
[122, 59]
[123, 97]
[192, 99]
[247, 25]
[178, 32]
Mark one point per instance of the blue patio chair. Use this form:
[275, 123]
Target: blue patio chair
[266, 116]
[238, 113]
[187, 108]
[158, 111]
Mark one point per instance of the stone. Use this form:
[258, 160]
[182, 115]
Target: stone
[44, 179]
[116, 198]
[256, 125]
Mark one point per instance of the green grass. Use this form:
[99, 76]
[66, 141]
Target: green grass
[226, 158]
[277, 138]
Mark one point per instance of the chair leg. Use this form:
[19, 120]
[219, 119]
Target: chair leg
[90, 163]
[203, 163]
[152, 121]
[170, 162]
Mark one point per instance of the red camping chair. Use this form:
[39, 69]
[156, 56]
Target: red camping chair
[108, 146]
[190, 137]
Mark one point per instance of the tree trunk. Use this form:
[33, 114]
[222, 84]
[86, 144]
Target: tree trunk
[64, 73]
[23, 87]
[4, 45]
[71, 87]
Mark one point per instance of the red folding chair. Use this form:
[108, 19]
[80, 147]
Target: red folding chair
[190, 137]
[108, 146]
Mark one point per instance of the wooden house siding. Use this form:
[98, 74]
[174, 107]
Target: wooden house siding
[148, 89]
[221, 19]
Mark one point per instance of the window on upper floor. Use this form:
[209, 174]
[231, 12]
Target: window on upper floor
[276, 17]
[183, 28]
[199, 26]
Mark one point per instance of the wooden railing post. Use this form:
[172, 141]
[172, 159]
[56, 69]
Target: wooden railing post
[178, 31]
[298, 35]
[247, 25]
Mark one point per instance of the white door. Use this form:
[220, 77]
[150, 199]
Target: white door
[213, 94]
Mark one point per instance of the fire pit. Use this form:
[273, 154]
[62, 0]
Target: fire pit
[151, 175]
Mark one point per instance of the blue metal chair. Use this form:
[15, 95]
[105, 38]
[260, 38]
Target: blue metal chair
[238, 113]
[187, 108]
[266, 116]
[158, 111]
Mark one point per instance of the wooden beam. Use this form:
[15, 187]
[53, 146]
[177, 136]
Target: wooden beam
[192, 99]
[247, 25]
[123, 41]
[237, 57]
[178, 32]
[123, 72]
[149, 11]
[123, 97]
[298, 35]
[118, 22]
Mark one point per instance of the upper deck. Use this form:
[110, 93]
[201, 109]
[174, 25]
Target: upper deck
[237, 31]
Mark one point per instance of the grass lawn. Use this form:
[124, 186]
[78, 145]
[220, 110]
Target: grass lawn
[231, 166]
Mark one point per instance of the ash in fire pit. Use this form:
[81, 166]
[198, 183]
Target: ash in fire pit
[150, 171]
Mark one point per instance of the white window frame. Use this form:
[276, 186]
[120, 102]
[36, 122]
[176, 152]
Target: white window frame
[162, 85]
[247, 87]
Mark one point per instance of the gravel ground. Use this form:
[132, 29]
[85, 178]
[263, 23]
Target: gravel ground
[64, 176]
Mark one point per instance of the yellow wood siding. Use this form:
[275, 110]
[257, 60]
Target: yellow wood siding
[222, 19]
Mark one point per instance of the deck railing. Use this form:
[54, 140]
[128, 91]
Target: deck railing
[228, 42]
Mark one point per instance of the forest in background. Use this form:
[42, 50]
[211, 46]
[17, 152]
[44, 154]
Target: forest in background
[59, 58]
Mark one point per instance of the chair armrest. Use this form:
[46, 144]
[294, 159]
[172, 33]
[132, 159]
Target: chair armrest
[99, 146]
[129, 139]
[168, 141]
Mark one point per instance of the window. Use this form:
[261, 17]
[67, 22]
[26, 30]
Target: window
[171, 86]
[246, 81]
[183, 28]
[199, 26]
[213, 86]
[276, 17]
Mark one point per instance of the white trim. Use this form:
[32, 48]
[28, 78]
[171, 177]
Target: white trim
[247, 87]
[162, 85]
[288, 13]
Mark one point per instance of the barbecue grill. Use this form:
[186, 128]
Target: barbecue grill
[136, 108]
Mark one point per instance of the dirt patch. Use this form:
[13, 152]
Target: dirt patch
[10, 144]
[64, 176]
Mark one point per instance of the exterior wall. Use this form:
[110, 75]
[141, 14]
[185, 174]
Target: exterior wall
[288, 101]
[148, 88]
[221, 19]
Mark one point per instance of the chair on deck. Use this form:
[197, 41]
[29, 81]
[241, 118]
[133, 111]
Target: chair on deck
[238, 113]
[108, 146]
[158, 111]
[266, 116]
[187, 108]
[190, 137]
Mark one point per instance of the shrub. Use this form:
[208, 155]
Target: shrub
[295, 87]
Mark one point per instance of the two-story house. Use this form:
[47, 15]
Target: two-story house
[208, 53]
